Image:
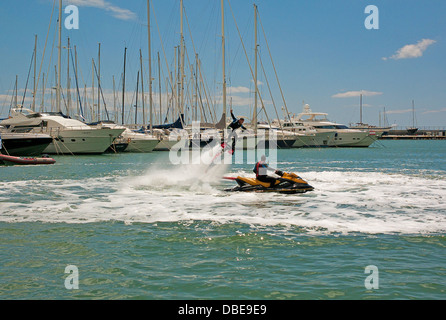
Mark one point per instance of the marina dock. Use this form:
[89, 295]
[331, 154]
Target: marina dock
[422, 134]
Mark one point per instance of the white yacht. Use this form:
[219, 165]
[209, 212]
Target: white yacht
[69, 136]
[307, 136]
[379, 131]
[166, 142]
[344, 136]
[137, 142]
[23, 144]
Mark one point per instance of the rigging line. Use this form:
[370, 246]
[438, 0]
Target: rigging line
[211, 15]
[213, 116]
[274, 104]
[249, 64]
[100, 89]
[49, 64]
[170, 80]
[190, 32]
[269, 89]
[27, 79]
[77, 86]
[46, 41]
[231, 65]
[274, 67]
[5, 98]
[206, 90]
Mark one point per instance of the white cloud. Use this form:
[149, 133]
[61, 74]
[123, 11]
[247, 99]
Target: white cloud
[117, 12]
[352, 94]
[259, 83]
[239, 90]
[398, 111]
[435, 111]
[412, 50]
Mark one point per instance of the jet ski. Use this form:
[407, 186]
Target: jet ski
[287, 183]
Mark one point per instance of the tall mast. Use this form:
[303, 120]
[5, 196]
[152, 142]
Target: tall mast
[360, 109]
[159, 83]
[142, 91]
[59, 48]
[182, 62]
[223, 58]
[150, 67]
[34, 87]
[68, 79]
[196, 87]
[16, 91]
[114, 99]
[136, 104]
[43, 92]
[55, 77]
[92, 91]
[178, 75]
[123, 87]
[413, 114]
[99, 82]
[77, 84]
[254, 118]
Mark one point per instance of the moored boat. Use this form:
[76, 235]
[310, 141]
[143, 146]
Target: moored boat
[70, 136]
[23, 144]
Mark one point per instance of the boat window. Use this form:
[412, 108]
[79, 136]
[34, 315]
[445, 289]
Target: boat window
[339, 126]
[33, 115]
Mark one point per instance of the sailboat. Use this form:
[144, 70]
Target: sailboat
[379, 131]
[412, 130]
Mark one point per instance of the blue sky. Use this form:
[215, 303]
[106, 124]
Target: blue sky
[322, 51]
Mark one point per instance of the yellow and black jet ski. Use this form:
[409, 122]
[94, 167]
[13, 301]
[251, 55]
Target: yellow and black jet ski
[288, 183]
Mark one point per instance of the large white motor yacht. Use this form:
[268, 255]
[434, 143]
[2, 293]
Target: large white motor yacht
[344, 136]
[70, 136]
[308, 137]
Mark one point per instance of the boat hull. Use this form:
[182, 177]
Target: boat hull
[165, 145]
[82, 141]
[353, 138]
[316, 140]
[141, 145]
[24, 144]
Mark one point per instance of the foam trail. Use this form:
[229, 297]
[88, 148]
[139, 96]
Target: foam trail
[199, 173]
[343, 201]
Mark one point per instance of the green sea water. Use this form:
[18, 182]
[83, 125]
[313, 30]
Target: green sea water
[136, 227]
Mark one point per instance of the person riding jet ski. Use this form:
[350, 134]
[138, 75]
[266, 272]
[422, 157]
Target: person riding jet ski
[286, 183]
[261, 170]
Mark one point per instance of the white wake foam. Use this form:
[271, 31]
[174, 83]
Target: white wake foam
[345, 202]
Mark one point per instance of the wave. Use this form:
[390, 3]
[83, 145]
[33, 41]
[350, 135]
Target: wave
[343, 202]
